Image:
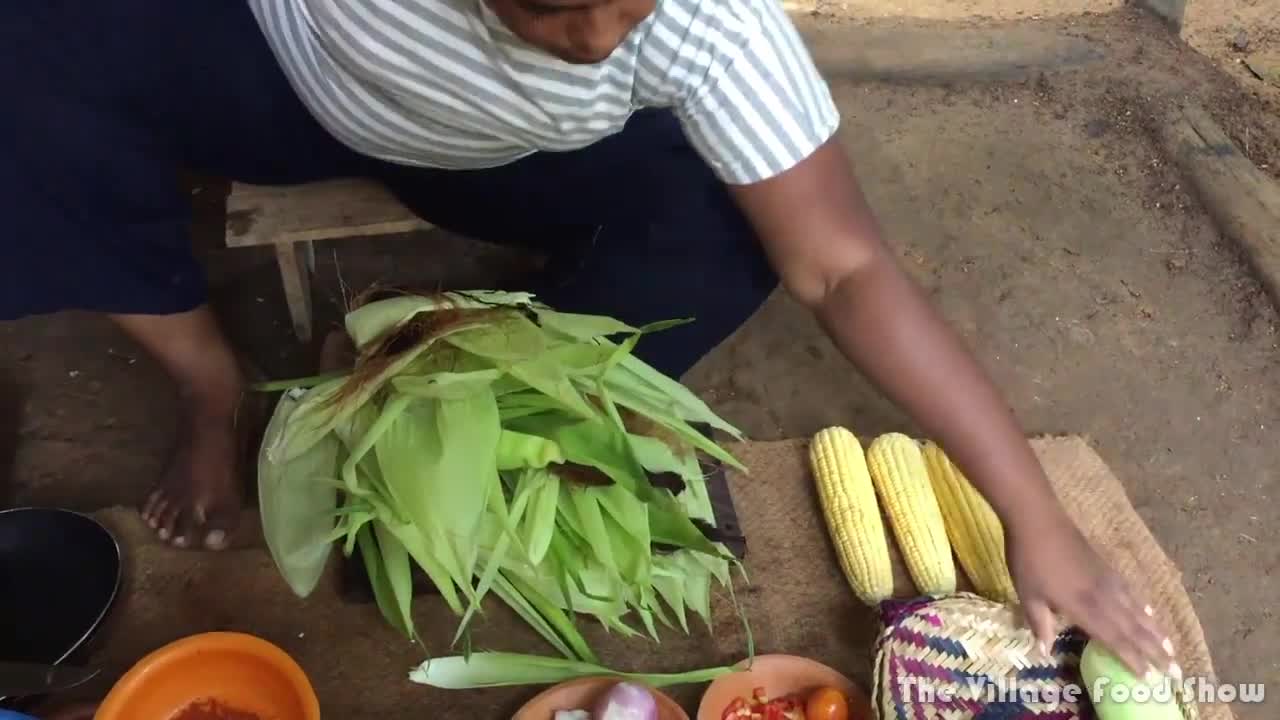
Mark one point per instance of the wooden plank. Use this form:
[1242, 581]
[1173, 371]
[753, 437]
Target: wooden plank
[295, 275]
[262, 215]
[1172, 12]
[1242, 200]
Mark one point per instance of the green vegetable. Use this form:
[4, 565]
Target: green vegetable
[1119, 695]
[496, 669]
[500, 447]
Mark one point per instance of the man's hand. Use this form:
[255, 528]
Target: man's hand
[1056, 571]
[827, 247]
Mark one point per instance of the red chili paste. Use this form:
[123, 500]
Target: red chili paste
[213, 710]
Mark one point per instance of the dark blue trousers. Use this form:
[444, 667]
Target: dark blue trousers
[108, 103]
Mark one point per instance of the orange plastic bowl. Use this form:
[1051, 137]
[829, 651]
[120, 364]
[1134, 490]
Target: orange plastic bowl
[241, 672]
[583, 694]
[780, 675]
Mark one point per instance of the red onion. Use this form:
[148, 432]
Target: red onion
[627, 701]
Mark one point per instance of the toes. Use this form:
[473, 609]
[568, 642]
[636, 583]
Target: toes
[150, 507]
[167, 520]
[187, 527]
[216, 540]
[158, 514]
[220, 527]
[198, 527]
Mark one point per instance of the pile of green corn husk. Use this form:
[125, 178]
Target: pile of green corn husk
[502, 447]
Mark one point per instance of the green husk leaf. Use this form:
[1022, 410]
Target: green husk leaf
[439, 458]
[497, 669]
[688, 407]
[369, 322]
[421, 552]
[522, 607]
[581, 327]
[484, 442]
[297, 501]
[450, 385]
[670, 525]
[505, 532]
[506, 340]
[383, 593]
[545, 375]
[669, 584]
[519, 450]
[590, 522]
[395, 563]
[555, 617]
[539, 522]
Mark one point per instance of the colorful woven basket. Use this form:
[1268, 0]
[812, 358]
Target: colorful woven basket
[965, 657]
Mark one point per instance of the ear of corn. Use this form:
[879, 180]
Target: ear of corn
[901, 479]
[972, 526]
[848, 501]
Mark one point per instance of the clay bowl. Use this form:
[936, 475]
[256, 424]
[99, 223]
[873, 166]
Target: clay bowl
[240, 671]
[584, 693]
[780, 675]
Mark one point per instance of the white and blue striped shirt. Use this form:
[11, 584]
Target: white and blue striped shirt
[444, 84]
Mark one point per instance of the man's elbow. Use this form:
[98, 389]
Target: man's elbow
[812, 280]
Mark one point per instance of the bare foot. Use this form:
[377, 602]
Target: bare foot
[197, 503]
[337, 352]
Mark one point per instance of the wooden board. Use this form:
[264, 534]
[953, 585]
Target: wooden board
[1242, 199]
[355, 580]
[262, 215]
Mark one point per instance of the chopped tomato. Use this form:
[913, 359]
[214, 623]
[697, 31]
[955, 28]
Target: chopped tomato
[733, 712]
[760, 707]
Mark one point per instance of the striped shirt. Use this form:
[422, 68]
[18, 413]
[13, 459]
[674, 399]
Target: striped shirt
[444, 84]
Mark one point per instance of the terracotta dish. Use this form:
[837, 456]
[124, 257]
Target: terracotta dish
[780, 675]
[583, 694]
[242, 673]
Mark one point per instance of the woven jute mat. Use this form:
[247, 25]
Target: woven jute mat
[797, 600]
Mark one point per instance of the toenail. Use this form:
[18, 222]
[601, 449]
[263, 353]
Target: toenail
[164, 533]
[215, 538]
[180, 541]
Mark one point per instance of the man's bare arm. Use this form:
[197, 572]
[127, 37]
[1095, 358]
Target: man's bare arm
[828, 249]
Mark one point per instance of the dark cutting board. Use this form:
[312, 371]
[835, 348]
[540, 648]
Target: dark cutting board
[355, 580]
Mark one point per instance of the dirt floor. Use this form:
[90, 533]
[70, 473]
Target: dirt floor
[1037, 210]
[1235, 33]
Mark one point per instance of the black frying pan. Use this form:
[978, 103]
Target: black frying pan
[59, 575]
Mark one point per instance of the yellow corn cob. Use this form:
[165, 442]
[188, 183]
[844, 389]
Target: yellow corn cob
[902, 482]
[972, 526]
[853, 518]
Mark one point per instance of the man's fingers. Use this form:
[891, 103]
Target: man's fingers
[1124, 627]
[1040, 618]
[1144, 633]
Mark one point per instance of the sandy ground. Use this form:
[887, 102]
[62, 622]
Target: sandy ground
[1231, 31]
[1038, 213]
[1228, 31]
[956, 9]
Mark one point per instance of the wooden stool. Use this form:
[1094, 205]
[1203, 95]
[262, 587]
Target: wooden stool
[293, 217]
